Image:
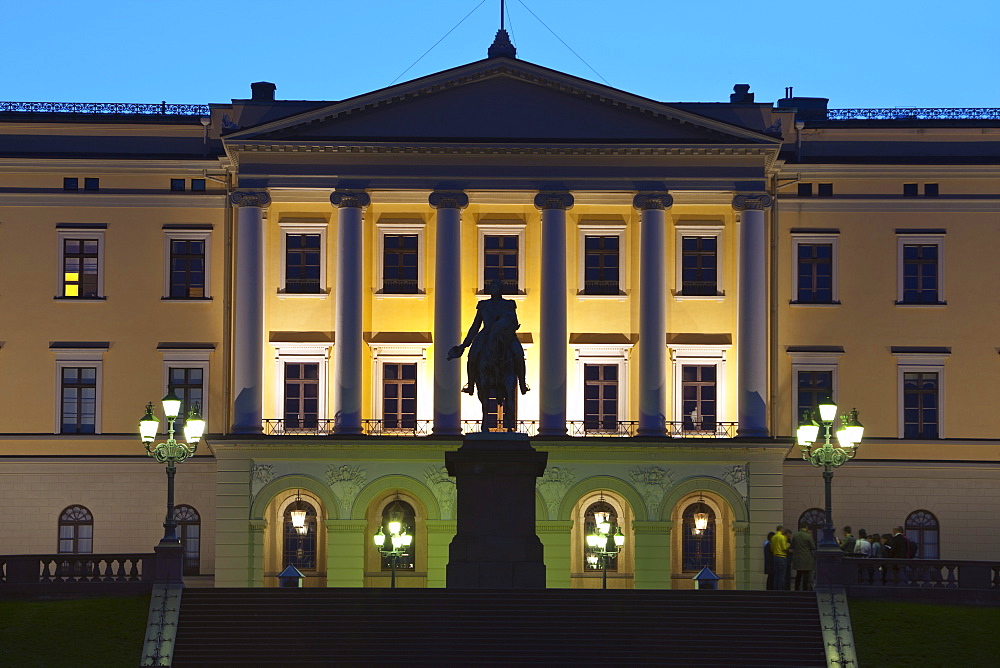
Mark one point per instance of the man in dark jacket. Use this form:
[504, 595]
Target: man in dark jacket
[848, 542]
[899, 546]
[803, 561]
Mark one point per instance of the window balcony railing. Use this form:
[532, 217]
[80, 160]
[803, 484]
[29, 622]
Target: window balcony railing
[574, 428]
[601, 288]
[399, 286]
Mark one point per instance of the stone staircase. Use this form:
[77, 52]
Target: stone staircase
[294, 627]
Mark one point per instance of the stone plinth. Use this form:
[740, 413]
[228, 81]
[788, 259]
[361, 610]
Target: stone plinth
[495, 545]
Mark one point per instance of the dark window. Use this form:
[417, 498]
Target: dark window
[198, 185]
[71, 183]
[300, 548]
[699, 265]
[500, 261]
[399, 395]
[76, 531]
[301, 395]
[302, 258]
[698, 549]
[399, 264]
[920, 274]
[189, 529]
[805, 189]
[187, 268]
[909, 189]
[922, 528]
[815, 274]
[601, 265]
[590, 557]
[920, 404]
[698, 397]
[187, 383]
[80, 267]
[600, 397]
[91, 184]
[930, 190]
[825, 190]
[79, 400]
[813, 387]
[815, 519]
[403, 512]
[177, 184]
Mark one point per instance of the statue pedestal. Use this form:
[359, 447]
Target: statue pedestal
[495, 546]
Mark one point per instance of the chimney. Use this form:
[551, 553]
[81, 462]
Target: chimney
[262, 91]
[741, 94]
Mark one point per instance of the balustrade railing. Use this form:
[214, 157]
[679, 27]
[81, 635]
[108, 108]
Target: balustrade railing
[915, 113]
[575, 428]
[950, 580]
[33, 573]
[162, 108]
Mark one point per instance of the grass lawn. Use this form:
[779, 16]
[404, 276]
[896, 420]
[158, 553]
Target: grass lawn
[104, 632]
[890, 634]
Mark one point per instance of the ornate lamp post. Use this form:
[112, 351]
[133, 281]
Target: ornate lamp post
[399, 540]
[849, 432]
[604, 545]
[171, 452]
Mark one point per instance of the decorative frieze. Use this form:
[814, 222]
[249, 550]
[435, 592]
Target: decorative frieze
[652, 482]
[346, 481]
[443, 487]
[553, 486]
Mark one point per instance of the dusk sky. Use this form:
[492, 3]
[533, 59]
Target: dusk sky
[873, 53]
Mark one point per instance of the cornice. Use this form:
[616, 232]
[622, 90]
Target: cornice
[525, 197]
[107, 166]
[896, 204]
[115, 200]
[890, 172]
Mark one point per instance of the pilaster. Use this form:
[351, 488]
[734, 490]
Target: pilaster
[345, 553]
[651, 551]
[557, 541]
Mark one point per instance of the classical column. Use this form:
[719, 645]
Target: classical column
[751, 327]
[348, 345]
[448, 310]
[248, 307]
[652, 312]
[554, 336]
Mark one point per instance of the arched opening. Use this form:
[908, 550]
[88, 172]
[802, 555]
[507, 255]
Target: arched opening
[76, 531]
[815, 519]
[923, 529]
[411, 565]
[189, 530]
[287, 544]
[587, 567]
[702, 536]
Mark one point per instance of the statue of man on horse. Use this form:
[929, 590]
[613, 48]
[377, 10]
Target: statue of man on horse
[496, 358]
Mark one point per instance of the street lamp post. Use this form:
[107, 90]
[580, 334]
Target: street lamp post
[604, 545]
[849, 432]
[399, 540]
[171, 452]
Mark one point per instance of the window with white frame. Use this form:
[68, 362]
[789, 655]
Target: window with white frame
[699, 373]
[599, 397]
[814, 267]
[186, 274]
[301, 387]
[699, 261]
[81, 261]
[78, 387]
[303, 251]
[501, 255]
[920, 268]
[400, 258]
[814, 379]
[400, 385]
[920, 382]
[601, 259]
[185, 373]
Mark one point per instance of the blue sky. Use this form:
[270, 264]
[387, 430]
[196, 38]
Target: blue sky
[872, 53]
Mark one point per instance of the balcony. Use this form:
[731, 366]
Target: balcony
[574, 428]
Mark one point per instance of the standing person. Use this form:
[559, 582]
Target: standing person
[898, 545]
[848, 541]
[887, 546]
[862, 548]
[876, 548]
[779, 558]
[768, 563]
[803, 561]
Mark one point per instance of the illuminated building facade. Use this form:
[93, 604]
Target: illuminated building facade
[688, 278]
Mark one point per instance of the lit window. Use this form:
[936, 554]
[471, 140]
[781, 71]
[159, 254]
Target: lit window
[922, 528]
[699, 405]
[76, 531]
[81, 260]
[699, 387]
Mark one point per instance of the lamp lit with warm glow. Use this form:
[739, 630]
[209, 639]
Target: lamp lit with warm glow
[399, 538]
[171, 405]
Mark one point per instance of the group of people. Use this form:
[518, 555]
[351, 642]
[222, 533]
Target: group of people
[785, 552]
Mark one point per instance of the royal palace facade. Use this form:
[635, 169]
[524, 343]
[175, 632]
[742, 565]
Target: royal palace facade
[689, 277]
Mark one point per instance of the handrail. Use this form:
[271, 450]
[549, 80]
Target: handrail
[914, 113]
[136, 108]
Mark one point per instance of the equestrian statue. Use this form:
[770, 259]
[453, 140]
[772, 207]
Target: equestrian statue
[496, 358]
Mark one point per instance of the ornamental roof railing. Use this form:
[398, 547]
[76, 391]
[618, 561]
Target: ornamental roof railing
[915, 113]
[159, 109]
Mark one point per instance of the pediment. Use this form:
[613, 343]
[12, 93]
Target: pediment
[500, 100]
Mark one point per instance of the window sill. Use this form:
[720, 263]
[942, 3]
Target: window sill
[80, 299]
[796, 304]
[185, 299]
[583, 296]
[702, 298]
[303, 295]
[399, 295]
[921, 304]
[519, 297]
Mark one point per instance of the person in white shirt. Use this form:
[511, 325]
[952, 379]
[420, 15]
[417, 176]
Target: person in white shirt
[862, 547]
